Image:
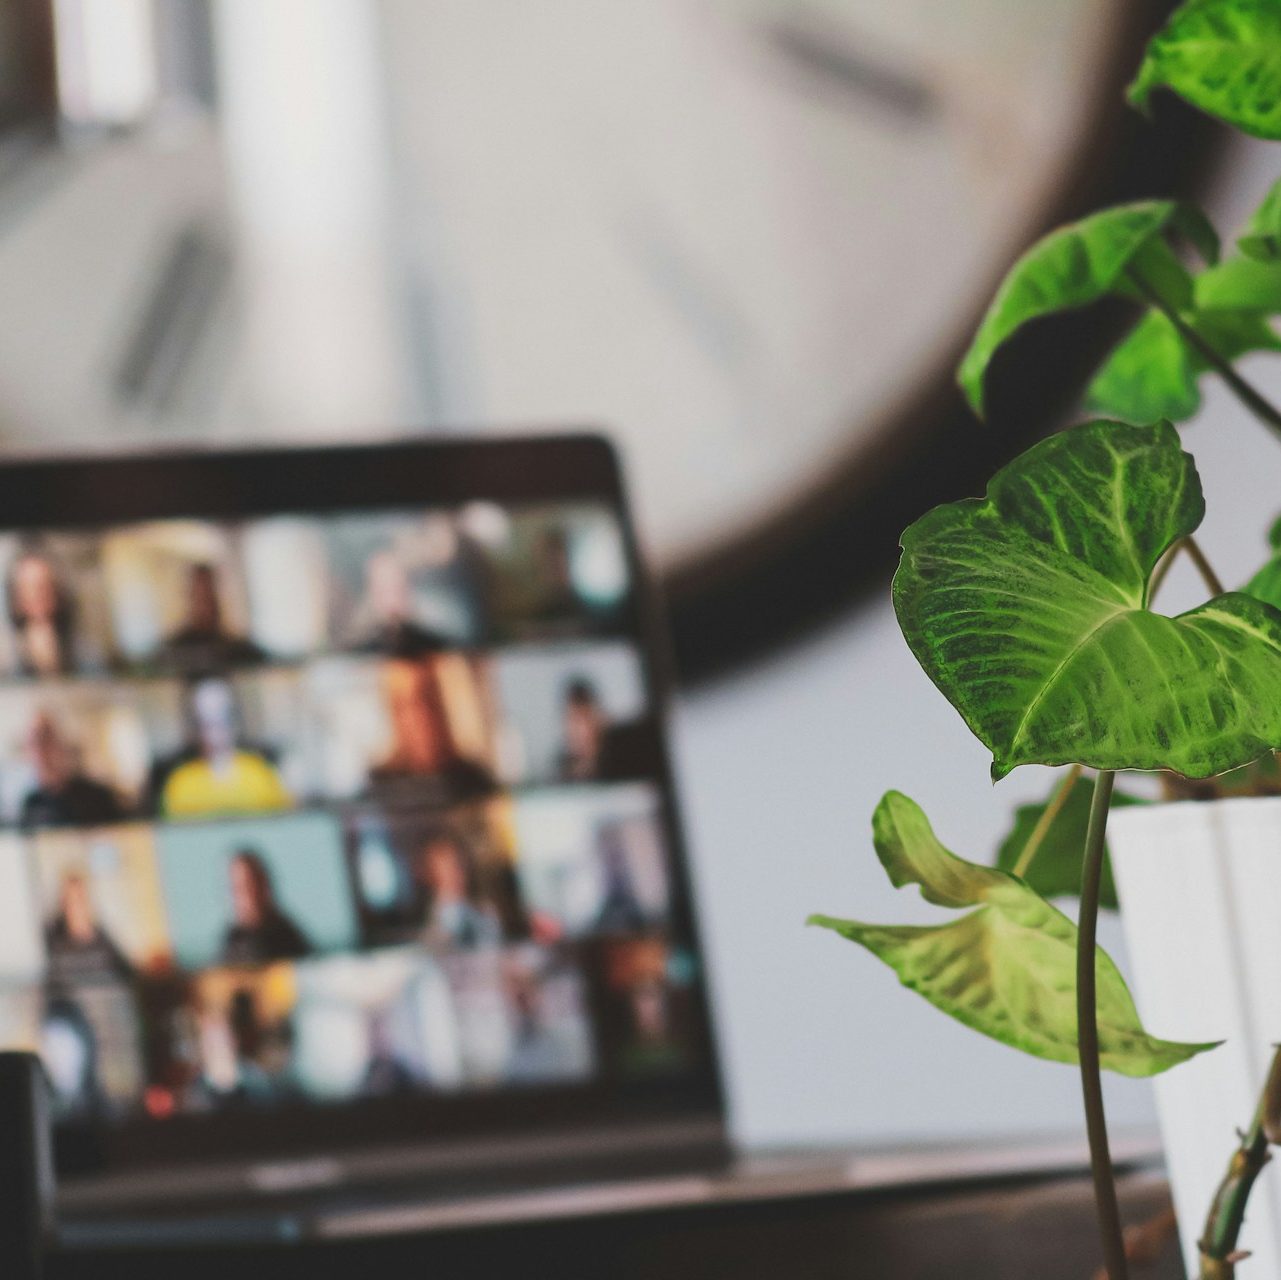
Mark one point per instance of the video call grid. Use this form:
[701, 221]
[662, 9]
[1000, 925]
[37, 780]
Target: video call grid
[211, 650]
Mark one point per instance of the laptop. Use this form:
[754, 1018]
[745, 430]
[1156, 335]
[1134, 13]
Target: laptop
[339, 853]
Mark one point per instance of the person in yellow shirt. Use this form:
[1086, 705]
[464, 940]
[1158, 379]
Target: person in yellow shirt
[224, 777]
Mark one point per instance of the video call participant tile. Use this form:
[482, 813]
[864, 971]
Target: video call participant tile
[405, 731]
[574, 713]
[405, 585]
[558, 573]
[522, 1017]
[592, 860]
[242, 1021]
[229, 745]
[56, 619]
[74, 754]
[374, 1025]
[446, 880]
[647, 1005]
[252, 891]
[179, 599]
[101, 904]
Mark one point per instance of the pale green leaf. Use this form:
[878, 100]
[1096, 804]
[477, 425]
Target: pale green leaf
[1071, 267]
[1261, 238]
[1055, 870]
[1007, 969]
[1028, 609]
[1223, 56]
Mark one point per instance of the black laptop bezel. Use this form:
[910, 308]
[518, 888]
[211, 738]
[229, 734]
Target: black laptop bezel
[67, 492]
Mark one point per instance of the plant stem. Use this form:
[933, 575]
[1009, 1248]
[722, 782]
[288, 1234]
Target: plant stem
[1164, 565]
[1087, 1033]
[1208, 576]
[1198, 558]
[1046, 820]
[1261, 408]
[1218, 1243]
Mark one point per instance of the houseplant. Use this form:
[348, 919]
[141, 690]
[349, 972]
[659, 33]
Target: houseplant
[1031, 609]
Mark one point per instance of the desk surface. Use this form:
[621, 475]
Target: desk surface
[949, 1214]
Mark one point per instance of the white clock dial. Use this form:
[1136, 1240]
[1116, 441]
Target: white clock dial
[734, 232]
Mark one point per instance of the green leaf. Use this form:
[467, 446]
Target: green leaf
[1071, 267]
[1154, 373]
[1161, 271]
[1223, 56]
[1028, 609]
[1266, 584]
[1240, 284]
[1007, 969]
[1261, 238]
[1055, 871]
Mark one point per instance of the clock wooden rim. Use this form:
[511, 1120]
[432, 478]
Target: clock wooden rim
[806, 563]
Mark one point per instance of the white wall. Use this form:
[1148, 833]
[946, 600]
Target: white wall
[782, 767]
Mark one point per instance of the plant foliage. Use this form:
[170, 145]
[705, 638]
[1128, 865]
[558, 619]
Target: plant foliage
[1075, 266]
[1007, 968]
[1055, 871]
[1028, 609]
[1223, 56]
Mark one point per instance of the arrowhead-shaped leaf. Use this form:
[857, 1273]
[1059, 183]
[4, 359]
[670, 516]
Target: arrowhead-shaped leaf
[1154, 373]
[1006, 969]
[1151, 374]
[1055, 871]
[1028, 609]
[1261, 238]
[1223, 56]
[1072, 267]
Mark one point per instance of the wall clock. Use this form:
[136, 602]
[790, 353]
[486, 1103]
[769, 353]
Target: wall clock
[748, 237]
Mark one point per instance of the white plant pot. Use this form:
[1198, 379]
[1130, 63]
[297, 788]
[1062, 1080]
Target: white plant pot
[1200, 891]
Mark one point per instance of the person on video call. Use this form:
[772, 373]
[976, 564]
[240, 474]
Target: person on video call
[242, 1054]
[585, 733]
[422, 735]
[260, 929]
[63, 794]
[41, 614]
[203, 641]
[389, 604]
[79, 947]
[454, 917]
[220, 775]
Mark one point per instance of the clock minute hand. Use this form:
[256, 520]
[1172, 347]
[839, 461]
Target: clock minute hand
[832, 59]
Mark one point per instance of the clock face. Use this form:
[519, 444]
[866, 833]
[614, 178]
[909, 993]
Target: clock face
[735, 233]
[747, 238]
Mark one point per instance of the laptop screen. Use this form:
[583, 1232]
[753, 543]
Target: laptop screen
[336, 820]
